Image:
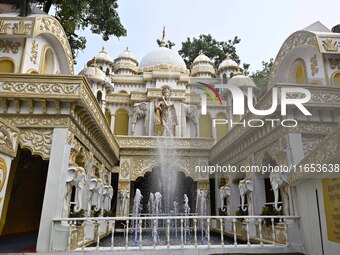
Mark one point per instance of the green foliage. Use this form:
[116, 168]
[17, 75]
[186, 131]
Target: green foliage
[215, 50]
[261, 77]
[99, 15]
[79, 214]
[108, 213]
[93, 213]
[222, 213]
[169, 44]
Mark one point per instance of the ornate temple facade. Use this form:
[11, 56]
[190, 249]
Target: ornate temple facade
[80, 144]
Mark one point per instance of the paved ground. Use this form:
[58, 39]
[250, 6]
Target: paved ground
[25, 242]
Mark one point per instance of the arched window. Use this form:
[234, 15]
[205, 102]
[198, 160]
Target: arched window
[47, 63]
[231, 75]
[122, 92]
[224, 79]
[205, 126]
[298, 72]
[7, 66]
[221, 130]
[336, 79]
[107, 72]
[108, 116]
[121, 122]
[99, 96]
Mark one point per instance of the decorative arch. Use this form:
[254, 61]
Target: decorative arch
[123, 92]
[205, 126]
[47, 61]
[121, 122]
[99, 96]
[221, 130]
[336, 79]
[7, 65]
[108, 116]
[32, 71]
[298, 73]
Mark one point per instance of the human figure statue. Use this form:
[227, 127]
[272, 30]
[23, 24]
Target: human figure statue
[165, 115]
[139, 111]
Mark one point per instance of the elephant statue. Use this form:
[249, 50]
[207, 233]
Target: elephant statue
[225, 193]
[124, 196]
[98, 195]
[279, 181]
[75, 177]
[192, 113]
[139, 111]
[246, 189]
[107, 194]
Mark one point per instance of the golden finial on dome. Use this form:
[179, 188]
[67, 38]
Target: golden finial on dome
[163, 37]
[127, 48]
[94, 62]
[239, 72]
[227, 55]
[103, 49]
[201, 52]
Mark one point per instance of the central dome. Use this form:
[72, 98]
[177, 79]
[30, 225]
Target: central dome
[162, 56]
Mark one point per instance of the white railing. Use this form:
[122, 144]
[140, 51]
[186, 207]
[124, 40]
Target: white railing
[174, 232]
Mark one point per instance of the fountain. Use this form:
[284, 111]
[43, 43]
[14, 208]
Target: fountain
[136, 211]
[175, 212]
[201, 209]
[186, 221]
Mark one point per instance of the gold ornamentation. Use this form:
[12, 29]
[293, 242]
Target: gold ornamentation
[21, 28]
[124, 170]
[34, 88]
[37, 121]
[334, 63]
[8, 46]
[51, 25]
[3, 173]
[34, 52]
[8, 138]
[330, 45]
[164, 67]
[39, 141]
[314, 65]
[4, 27]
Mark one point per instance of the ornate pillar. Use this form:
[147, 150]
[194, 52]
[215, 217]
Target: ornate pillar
[55, 186]
[8, 150]
[123, 198]
[89, 162]
[203, 185]
[113, 118]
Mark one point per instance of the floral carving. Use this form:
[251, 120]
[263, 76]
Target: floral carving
[53, 88]
[39, 141]
[314, 65]
[3, 173]
[4, 27]
[334, 63]
[34, 52]
[9, 46]
[21, 28]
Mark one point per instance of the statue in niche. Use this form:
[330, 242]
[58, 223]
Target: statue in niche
[165, 118]
[192, 113]
[139, 111]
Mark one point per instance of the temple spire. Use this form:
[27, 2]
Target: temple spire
[163, 37]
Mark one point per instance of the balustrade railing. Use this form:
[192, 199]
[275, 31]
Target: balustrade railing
[169, 232]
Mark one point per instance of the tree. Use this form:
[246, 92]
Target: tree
[169, 44]
[261, 77]
[100, 15]
[215, 50]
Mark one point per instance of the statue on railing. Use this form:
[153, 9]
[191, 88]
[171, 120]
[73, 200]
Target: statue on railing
[246, 189]
[225, 193]
[165, 118]
[279, 181]
[75, 177]
[107, 194]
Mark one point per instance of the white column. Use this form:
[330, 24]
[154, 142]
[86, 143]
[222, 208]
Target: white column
[55, 186]
[113, 118]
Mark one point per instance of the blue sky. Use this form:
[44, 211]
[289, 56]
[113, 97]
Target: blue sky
[262, 25]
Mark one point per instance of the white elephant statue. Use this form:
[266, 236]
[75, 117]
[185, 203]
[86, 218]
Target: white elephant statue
[225, 193]
[98, 195]
[279, 181]
[75, 177]
[107, 194]
[246, 189]
[140, 111]
[192, 113]
[124, 196]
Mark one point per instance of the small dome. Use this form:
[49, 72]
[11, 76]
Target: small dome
[162, 56]
[228, 63]
[202, 58]
[240, 80]
[103, 56]
[126, 54]
[93, 72]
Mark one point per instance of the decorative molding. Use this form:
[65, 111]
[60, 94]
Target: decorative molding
[9, 46]
[334, 63]
[164, 68]
[22, 28]
[314, 65]
[37, 87]
[34, 52]
[310, 142]
[39, 141]
[330, 45]
[8, 138]
[4, 27]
